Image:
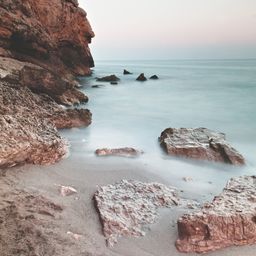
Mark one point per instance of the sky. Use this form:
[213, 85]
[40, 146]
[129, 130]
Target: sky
[172, 29]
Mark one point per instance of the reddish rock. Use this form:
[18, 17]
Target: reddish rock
[199, 143]
[126, 152]
[229, 220]
[53, 34]
[29, 140]
[39, 80]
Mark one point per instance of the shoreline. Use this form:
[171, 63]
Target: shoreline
[81, 217]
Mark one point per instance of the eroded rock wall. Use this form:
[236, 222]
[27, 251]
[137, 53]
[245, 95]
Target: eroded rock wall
[53, 34]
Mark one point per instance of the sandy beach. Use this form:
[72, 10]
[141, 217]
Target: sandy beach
[79, 215]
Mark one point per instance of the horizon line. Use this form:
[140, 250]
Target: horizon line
[181, 59]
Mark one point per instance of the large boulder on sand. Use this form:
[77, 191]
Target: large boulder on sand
[199, 143]
[229, 220]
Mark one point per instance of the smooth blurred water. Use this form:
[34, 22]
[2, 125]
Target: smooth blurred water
[217, 94]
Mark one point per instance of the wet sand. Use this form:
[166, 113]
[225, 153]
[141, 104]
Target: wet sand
[79, 215]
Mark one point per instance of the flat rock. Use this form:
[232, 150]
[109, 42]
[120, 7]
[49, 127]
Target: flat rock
[126, 206]
[126, 152]
[229, 220]
[111, 78]
[199, 143]
[141, 77]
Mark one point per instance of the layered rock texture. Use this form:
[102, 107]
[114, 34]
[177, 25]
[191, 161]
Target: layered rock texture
[229, 220]
[43, 46]
[126, 206]
[199, 143]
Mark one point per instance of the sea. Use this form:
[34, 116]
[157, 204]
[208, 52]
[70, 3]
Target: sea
[216, 94]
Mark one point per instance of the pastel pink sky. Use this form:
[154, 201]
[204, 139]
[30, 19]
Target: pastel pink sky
[166, 29]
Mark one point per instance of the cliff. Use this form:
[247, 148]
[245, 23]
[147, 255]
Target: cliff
[43, 46]
[53, 34]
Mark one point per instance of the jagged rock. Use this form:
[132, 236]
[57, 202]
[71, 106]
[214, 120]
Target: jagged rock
[28, 121]
[126, 206]
[199, 143]
[40, 106]
[29, 140]
[141, 77]
[126, 72]
[229, 220]
[39, 80]
[111, 78]
[53, 34]
[127, 152]
[154, 77]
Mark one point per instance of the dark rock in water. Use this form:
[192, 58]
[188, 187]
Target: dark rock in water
[199, 143]
[127, 152]
[229, 220]
[154, 77]
[97, 86]
[126, 72]
[111, 78]
[126, 206]
[114, 83]
[141, 78]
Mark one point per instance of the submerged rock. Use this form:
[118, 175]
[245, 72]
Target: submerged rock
[154, 77]
[141, 77]
[126, 206]
[97, 86]
[199, 143]
[126, 152]
[126, 72]
[114, 83]
[111, 78]
[229, 220]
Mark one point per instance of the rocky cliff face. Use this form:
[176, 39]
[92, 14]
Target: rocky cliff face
[43, 46]
[50, 33]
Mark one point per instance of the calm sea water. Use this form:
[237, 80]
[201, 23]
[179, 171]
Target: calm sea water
[216, 94]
